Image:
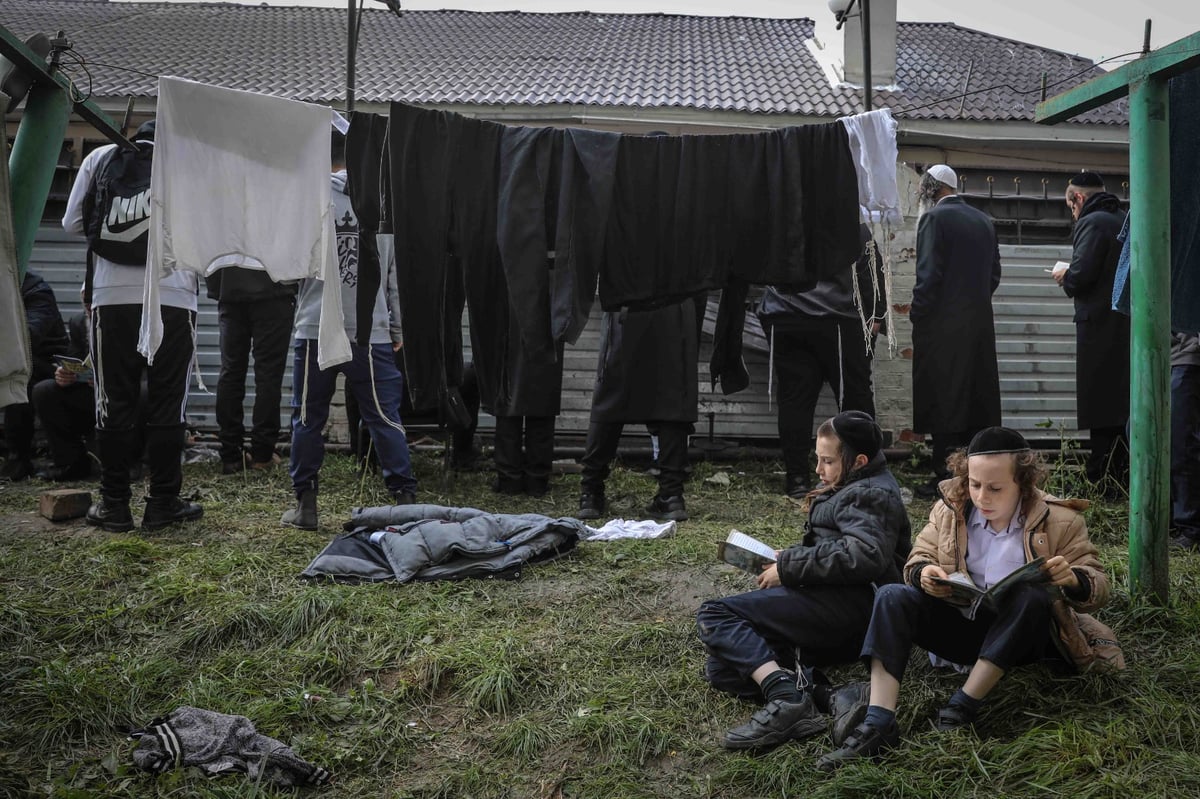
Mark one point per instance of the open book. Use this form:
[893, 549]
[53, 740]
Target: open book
[745, 552]
[964, 592]
[81, 369]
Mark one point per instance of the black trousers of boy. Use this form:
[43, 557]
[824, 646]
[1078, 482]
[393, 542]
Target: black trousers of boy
[1015, 635]
[809, 352]
[601, 450]
[264, 328]
[822, 624]
[119, 369]
[68, 415]
[524, 454]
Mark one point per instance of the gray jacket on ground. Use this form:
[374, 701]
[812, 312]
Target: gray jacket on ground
[431, 542]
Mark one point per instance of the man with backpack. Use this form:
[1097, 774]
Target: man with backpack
[110, 204]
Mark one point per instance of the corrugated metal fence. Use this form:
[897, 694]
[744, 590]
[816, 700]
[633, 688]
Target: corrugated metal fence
[1034, 333]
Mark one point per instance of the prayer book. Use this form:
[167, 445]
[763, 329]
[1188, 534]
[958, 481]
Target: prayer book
[965, 593]
[81, 369]
[746, 552]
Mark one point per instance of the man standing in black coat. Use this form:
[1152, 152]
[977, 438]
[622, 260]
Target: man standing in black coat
[956, 383]
[1101, 334]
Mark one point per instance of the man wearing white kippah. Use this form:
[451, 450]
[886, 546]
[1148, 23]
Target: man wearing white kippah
[956, 384]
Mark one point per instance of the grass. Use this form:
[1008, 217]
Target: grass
[579, 680]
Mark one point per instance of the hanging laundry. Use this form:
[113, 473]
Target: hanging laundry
[1185, 202]
[14, 352]
[224, 160]
[872, 139]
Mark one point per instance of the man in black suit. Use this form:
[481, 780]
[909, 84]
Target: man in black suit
[1101, 334]
[956, 383]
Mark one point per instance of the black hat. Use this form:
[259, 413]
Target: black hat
[997, 440]
[859, 432]
[145, 131]
[1087, 180]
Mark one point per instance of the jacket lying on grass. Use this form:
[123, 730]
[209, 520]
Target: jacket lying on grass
[219, 744]
[431, 542]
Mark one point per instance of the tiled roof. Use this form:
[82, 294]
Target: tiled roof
[735, 64]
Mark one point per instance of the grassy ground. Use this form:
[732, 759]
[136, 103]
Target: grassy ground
[579, 680]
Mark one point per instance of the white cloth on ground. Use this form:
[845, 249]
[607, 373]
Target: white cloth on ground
[630, 528]
[242, 179]
[873, 149]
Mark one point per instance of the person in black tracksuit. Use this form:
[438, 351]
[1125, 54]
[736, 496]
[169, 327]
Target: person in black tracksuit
[816, 338]
[67, 408]
[813, 606]
[255, 315]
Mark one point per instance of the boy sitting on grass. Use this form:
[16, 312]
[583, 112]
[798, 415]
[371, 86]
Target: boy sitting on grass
[993, 520]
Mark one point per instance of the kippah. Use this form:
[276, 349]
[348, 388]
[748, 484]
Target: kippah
[859, 431]
[1087, 180]
[997, 440]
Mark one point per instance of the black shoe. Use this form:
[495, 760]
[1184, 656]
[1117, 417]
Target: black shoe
[164, 511]
[236, 466]
[535, 486]
[671, 508]
[404, 498]
[591, 506]
[796, 487]
[953, 717]
[864, 741]
[1185, 543]
[15, 470]
[848, 706]
[110, 515]
[467, 461]
[508, 486]
[80, 470]
[776, 723]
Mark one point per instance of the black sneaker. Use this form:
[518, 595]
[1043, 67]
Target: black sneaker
[110, 515]
[864, 741]
[796, 487]
[671, 508]
[848, 706]
[404, 498]
[591, 506]
[776, 723]
[80, 470]
[164, 511]
[508, 486]
[16, 469]
[1185, 543]
[953, 717]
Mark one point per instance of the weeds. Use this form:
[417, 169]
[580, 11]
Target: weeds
[580, 680]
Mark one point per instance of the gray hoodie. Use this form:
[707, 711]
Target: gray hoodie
[385, 320]
[1185, 349]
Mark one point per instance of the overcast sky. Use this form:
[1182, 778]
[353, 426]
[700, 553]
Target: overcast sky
[1092, 28]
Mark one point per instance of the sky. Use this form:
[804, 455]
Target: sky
[1078, 27]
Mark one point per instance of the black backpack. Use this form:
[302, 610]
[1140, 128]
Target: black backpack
[116, 210]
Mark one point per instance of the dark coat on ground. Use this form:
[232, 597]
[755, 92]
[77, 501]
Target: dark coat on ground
[956, 384]
[1101, 334]
[647, 371]
[856, 534]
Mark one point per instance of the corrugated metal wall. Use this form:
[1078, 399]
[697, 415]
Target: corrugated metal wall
[1034, 333]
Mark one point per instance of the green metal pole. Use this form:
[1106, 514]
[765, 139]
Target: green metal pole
[1150, 300]
[34, 156]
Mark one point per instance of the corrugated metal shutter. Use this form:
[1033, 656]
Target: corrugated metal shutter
[1035, 344]
[1035, 340]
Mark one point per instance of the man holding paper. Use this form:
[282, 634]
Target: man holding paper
[1101, 334]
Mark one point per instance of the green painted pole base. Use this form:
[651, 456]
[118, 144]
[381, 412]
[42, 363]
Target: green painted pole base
[34, 156]
[1150, 337]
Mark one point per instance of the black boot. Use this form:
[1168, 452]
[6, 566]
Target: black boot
[304, 515]
[116, 450]
[164, 511]
[111, 515]
[591, 505]
[670, 508]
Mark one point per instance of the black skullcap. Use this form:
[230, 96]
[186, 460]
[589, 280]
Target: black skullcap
[145, 131]
[859, 432]
[1087, 180]
[997, 440]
